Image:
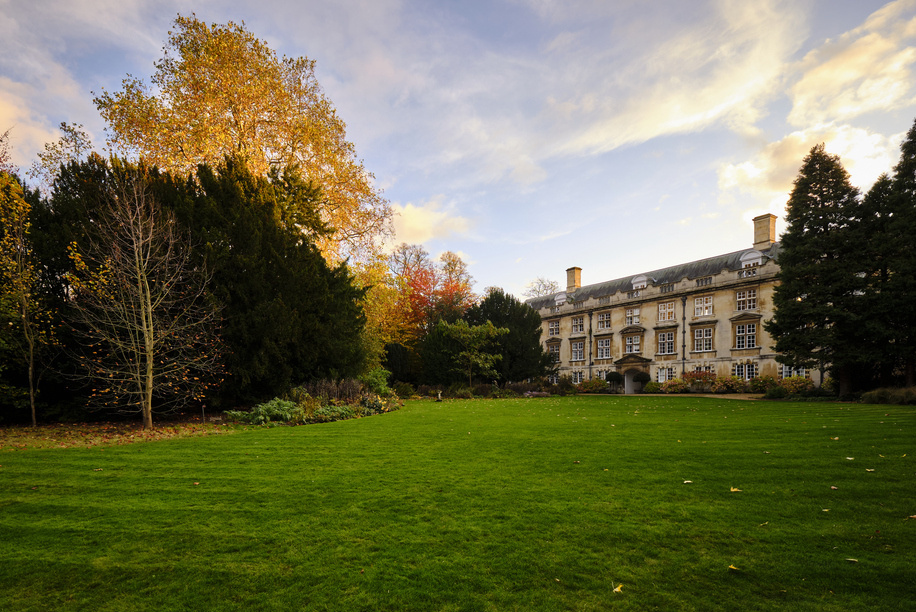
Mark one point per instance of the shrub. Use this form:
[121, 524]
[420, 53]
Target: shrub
[615, 378]
[729, 384]
[462, 393]
[376, 381]
[776, 392]
[675, 385]
[901, 396]
[797, 385]
[593, 385]
[652, 387]
[700, 380]
[276, 410]
[762, 384]
[520, 388]
[428, 391]
[375, 404]
[566, 386]
[642, 377]
[326, 414]
[484, 390]
[403, 389]
[302, 399]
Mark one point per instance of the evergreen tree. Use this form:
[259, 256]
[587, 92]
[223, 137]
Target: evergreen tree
[522, 354]
[818, 309]
[901, 285]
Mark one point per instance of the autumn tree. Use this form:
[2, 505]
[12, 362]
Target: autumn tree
[6, 163]
[140, 305]
[819, 313]
[30, 322]
[74, 144]
[462, 350]
[219, 90]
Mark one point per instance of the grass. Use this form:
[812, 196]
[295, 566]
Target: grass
[538, 504]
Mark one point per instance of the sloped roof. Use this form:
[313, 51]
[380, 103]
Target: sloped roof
[672, 274]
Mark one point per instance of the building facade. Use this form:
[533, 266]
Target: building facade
[704, 315]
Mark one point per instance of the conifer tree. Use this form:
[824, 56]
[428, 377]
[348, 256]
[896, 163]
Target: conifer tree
[818, 311]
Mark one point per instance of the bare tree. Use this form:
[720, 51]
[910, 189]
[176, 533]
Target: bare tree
[141, 307]
[6, 165]
[540, 287]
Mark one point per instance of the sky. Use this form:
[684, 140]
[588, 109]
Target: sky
[530, 136]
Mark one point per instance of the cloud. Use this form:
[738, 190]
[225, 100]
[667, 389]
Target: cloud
[769, 175]
[420, 224]
[869, 68]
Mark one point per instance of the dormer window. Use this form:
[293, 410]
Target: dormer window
[751, 259]
[639, 282]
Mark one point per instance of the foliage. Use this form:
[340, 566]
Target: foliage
[699, 380]
[404, 390]
[74, 145]
[140, 304]
[652, 387]
[729, 384]
[370, 404]
[675, 385]
[614, 377]
[777, 392]
[819, 318]
[6, 163]
[218, 90]
[797, 385]
[887, 395]
[458, 349]
[275, 411]
[642, 377]
[522, 355]
[762, 384]
[565, 386]
[376, 381]
[593, 385]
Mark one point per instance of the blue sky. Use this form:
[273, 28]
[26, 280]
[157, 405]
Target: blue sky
[527, 135]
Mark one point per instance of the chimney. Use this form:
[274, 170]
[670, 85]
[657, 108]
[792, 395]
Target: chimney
[764, 231]
[573, 279]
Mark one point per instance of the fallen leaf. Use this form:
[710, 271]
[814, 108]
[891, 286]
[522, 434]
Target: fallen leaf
[764, 524]
[869, 470]
[853, 560]
[688, 482]
[832, 488]
[850, 458]
[826, 510]
[734, 490]
[617, 589]
[733, 568]
[197, 483]
[837, 438]
[97, 470]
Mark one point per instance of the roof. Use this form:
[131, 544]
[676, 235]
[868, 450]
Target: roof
[663, 276]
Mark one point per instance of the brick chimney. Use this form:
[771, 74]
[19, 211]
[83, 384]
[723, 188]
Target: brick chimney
[764, 231]
[573, 279]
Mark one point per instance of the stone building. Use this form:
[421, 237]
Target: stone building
[703, 315]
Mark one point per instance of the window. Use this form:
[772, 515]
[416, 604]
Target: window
[747, 300]
[578, 376]
[702, 306]
[578, 324]
[665, 374]
[632, 316]
[553, 379]
[633, 294]
[578, 351]
[702, 339]
[632, 344]
[703, 282]
[666, 311]
[553, 328]
[747, 273]
[666, 343]
[745, 335]
[604, 300]
[746, 371]
[554, 351]
[666, 288]
[604, 320]
[787, 371]
[703, 368]
[604, 348]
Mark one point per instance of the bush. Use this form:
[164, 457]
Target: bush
[565, 386]
[327, 414]
[520, 388]
[776, 392]
[276, 410]
[797, 385]
[642, 377]
[484, 390]
[376, 381]
[729, 384]
[675, 385]
[700, 380]
[403, 389]
[902, 396]
[652, 387]
[461, 393]
[302, 399]
[593, 385]
[375, 404]
[615, 378]
[762, 384]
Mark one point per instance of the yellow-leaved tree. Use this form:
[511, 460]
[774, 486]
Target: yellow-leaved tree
[219, 90]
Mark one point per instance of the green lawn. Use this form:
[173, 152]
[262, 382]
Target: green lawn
[538, 504]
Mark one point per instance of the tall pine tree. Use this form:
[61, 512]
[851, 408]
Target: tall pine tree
[818, 309]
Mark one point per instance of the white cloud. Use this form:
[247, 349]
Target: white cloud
[425, 222]
[869, 68]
